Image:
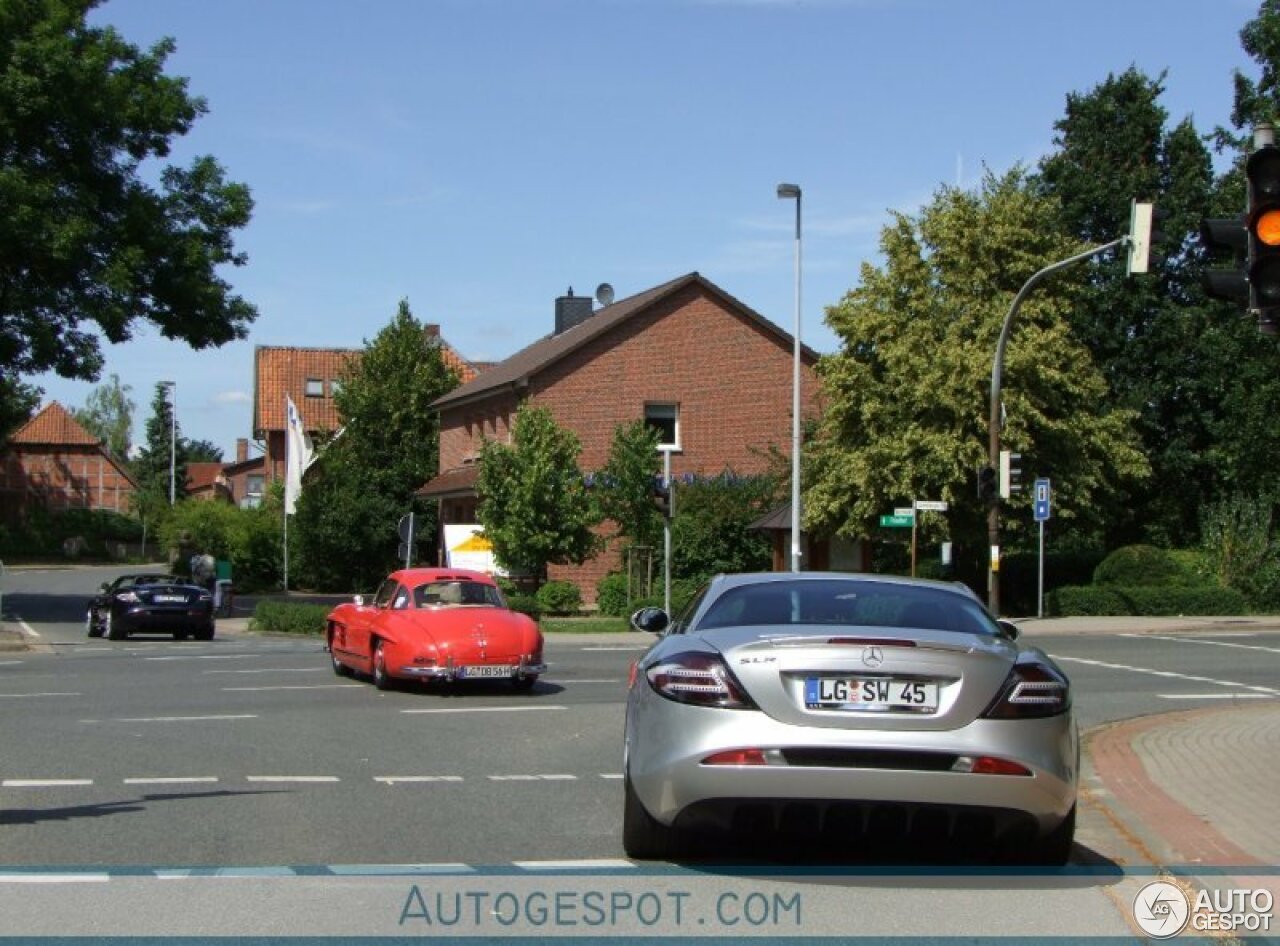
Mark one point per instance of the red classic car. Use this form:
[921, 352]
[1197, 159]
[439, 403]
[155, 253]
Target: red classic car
[441, 624]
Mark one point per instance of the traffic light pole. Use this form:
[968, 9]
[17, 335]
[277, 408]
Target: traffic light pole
[993, 425]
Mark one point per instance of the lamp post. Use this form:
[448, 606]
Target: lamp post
[173, 438]
[788, 192]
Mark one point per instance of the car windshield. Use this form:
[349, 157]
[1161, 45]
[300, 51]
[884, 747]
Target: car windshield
[456, 593]
[847, 603]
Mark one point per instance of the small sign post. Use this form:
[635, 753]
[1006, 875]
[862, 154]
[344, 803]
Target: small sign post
[1041, 510]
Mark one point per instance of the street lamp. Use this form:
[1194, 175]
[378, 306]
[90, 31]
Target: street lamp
[173, 438]
[787, 192]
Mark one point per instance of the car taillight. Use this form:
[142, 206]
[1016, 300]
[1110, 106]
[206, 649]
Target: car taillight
[700, 679]
[1032, 690]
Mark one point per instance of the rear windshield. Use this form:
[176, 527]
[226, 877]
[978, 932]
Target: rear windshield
[848, 604]
[436, 593]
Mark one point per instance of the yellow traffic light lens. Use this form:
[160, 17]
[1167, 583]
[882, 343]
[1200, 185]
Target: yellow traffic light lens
[1267, 227]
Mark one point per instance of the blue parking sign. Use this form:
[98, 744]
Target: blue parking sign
[1042, 500]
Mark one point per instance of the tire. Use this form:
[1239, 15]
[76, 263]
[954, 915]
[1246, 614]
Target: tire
[381, 679]
[645, 838]
[205, 634]
[181, 635]
[92, 628]
[339, 668]
[524, 684]
[113, 632]
[1052, 850]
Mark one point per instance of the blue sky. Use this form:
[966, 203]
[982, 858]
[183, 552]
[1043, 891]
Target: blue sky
[479, 157]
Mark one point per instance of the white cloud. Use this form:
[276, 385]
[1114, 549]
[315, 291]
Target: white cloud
[233, 397]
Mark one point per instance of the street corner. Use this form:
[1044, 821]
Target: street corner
[1192, 787]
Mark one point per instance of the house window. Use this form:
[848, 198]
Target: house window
[315, 387]
[665, 419]
[253, 487]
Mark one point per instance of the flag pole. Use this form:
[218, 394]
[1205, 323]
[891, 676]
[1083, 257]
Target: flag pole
[285, 504]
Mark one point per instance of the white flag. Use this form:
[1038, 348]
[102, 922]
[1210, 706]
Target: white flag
[297, 456]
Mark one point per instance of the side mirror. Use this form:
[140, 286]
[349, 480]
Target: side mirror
[359, 601]
[105, 586]
[1010, 629]
[651, 620]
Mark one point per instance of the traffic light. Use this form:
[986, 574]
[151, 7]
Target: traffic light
[1219, 235]
[1262, 172]
[662, 497]
[1010, 473]
[987, 484]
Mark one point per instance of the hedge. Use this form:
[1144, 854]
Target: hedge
[290, 618]
[1145, 601]
[559, 597]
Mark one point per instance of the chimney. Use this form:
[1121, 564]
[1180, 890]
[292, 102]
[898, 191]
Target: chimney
[431, 330]
[572, 310]
[242, 449]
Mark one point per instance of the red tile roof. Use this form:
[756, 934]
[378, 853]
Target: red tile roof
[54, 426]
[285, 371]
[201, 475]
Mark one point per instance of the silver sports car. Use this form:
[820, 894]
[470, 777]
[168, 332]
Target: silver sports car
[843, 709]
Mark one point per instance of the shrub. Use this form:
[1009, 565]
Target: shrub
[1139, 565]
[525, 604]
[611, 594]
[559, 597]
[1143, 600]
[287, 617]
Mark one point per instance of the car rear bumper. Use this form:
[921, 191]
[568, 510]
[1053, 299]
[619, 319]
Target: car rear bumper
[852, 772]
[449, 672]
[144, 620]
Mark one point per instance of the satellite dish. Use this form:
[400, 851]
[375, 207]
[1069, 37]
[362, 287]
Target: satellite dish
[604, 294]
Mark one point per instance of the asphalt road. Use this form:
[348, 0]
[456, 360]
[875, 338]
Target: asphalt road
[247, 751]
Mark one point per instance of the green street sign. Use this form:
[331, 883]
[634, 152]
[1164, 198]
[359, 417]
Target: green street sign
[897, 522]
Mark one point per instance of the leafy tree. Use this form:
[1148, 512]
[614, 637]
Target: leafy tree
[366, 479]
[1256, 101]
[108, 415]
[163, 440]
[203, 451]
[1167, 353]
[624, 487]
[710, 532]
[908, 392]
[534, 503]
[18, 402]
[89, 244]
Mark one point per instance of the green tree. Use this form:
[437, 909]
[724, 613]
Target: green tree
[624, 487]
[366, 478]
[18, 402]
[108, 415]
[1167, 353]
[90, 244]
[534, 502]
[908, 392]
[163, 440]
[203, 451]
[1256, 101]
[711, 530]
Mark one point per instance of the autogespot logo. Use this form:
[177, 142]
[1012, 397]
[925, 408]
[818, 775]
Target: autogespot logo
[1161, 909]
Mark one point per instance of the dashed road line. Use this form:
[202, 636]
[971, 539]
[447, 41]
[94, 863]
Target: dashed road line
[579, 864]
[7, 878]
[1169, 674]
[316, 686]
[1213, 696]
[44, 782]
[411, 779]
[1207, 643]
[173, 719]
[174, 780]
[20, 696]
[281, 779]
[275, 670]
[206, 657]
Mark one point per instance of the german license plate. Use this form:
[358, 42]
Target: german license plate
[170, 599]
[875, 693]
[487, 670]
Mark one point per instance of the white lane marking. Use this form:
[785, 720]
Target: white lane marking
[1213, 696]
[394, 870]
[611, 775]
[9, 663]
[532, 778]
[570, 681]
[28, 629]
[1170, 674]
[207, 657]
[409, 779]
[93, 650]
[488, 709]
[171, 719]
[53, 878]
[585, 864]
[316, 686]
[1193, 640]
[173, 780]
[18, 696]
[275, 670]
[45, 782]
[292, 778]
[632, 647]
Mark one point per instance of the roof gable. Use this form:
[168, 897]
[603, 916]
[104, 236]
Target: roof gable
[545, 352]
[54, 426]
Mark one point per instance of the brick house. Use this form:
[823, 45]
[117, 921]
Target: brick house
[310, 376]
[712, 374]
[52, 461]
[242, 482]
